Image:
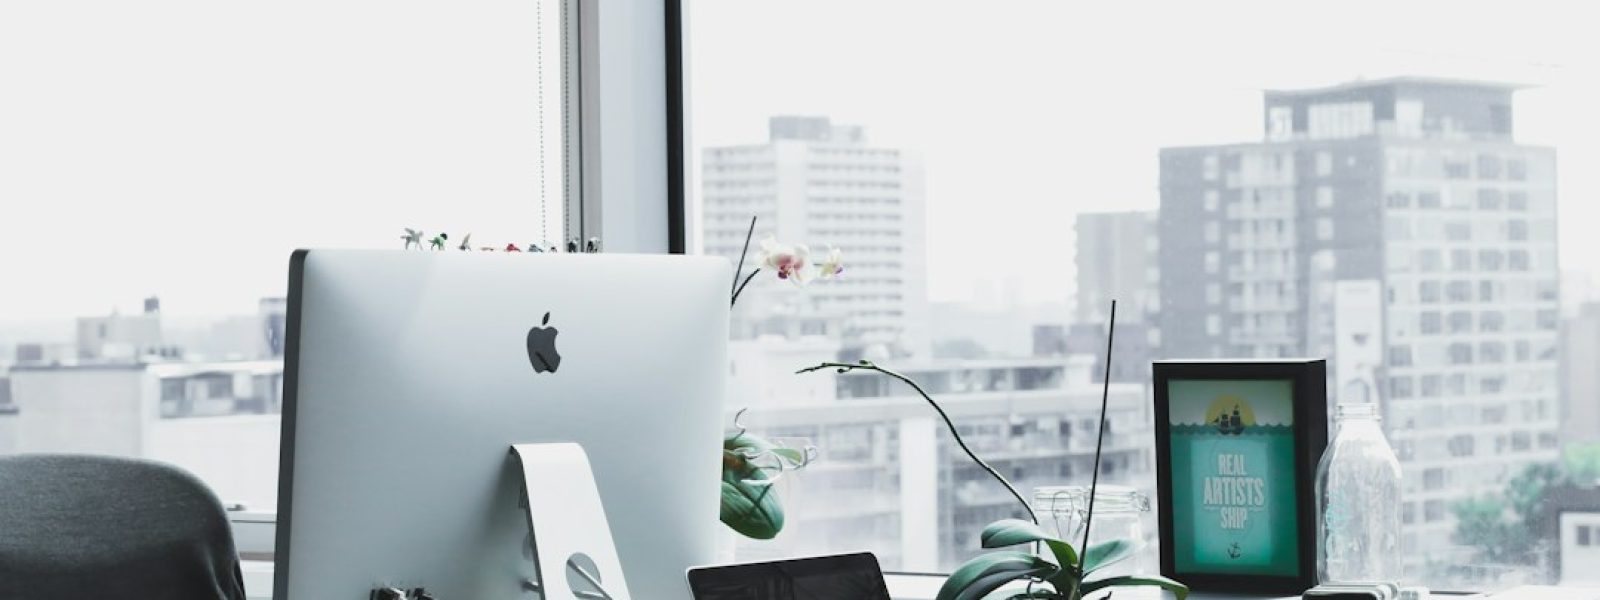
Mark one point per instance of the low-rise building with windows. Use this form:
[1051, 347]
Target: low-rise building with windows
[218, 420]
[891, 479]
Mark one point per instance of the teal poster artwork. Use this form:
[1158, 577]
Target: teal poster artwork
[1233, 477]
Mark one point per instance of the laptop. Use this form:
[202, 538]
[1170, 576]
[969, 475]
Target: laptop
[841, 577]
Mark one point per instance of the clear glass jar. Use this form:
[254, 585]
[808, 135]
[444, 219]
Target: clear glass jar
[1119, 513]
[1358, 502]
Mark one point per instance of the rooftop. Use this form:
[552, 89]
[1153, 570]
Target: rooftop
[161, 368]
[1403, 81]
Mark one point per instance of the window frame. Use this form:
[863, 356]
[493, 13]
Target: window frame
[908, 585]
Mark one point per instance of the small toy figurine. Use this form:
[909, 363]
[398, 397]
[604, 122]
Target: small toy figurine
[487, 249]
[592, 246]
[535, 248]
[412, 236]
[512, 248]
[572, 245]
[438, 241]
[465, 247]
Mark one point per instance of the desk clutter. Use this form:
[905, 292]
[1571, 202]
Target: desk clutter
[389, 593]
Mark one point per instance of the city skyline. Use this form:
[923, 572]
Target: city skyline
[1011, 155]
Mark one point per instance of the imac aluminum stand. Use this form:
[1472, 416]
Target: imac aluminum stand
[572, 542]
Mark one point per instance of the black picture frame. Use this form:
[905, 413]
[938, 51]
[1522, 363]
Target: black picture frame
[1310, 431]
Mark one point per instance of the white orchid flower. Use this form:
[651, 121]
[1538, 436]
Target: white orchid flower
[789, 262]
[833, 266]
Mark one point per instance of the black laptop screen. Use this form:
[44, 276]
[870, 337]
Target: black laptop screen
[845, 577]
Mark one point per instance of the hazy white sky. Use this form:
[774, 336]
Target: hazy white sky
[1027, 112]
[184, 147]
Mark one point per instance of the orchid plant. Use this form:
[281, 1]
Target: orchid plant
[750, 463]
[1064, 573]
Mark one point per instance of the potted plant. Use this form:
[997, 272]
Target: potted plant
[752, 464]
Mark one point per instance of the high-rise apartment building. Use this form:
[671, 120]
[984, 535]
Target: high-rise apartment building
[817, 183]
[1116, 260]
[1397, 227]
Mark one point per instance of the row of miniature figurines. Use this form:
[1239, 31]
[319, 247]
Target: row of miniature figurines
[414, 238]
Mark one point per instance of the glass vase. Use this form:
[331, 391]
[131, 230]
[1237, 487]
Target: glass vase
[1358, 502]
[1119, 513]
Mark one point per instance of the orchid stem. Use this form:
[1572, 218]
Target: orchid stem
[1100, 436]
[868, 366]
[740, 289]
[735, 288]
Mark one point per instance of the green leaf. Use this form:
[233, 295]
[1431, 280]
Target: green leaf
[1106, 553]
[1177, 589]
[987, 573]
[1020, 592]
[1010, 532]
[749, 506]
[752, 511]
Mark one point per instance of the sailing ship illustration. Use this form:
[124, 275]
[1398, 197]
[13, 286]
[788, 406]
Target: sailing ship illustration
[1229, 423]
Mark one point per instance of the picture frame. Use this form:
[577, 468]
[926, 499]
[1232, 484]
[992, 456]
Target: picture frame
[1237, 447]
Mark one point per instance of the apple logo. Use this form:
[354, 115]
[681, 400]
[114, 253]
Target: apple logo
[542, 347]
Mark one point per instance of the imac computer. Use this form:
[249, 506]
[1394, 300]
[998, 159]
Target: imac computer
[409, 375]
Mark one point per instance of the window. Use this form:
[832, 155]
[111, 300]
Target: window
[1489, 199]
[1517, 170]
[1429, 291]
[1488, 166]
[1258, 204]
[1324, 197]
[190, 162]
[1400, 387]
[1431, 322]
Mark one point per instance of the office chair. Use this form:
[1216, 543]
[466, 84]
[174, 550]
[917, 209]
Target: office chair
[77, 526]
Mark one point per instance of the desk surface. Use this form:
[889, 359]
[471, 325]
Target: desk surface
[258, 586]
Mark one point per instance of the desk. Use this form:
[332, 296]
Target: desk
[258, 586]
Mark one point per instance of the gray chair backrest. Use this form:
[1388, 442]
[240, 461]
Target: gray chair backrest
[84, 527]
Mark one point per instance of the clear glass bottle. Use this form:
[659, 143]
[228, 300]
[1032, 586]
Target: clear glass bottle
[1358, 502]
[1119, 512]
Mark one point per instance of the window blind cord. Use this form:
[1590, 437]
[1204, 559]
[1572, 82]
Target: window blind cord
[544, 220]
